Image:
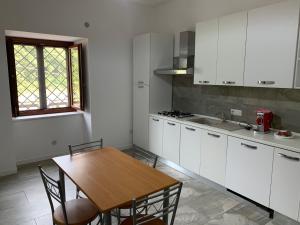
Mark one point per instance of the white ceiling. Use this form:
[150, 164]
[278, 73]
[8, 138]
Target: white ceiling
[150, 2]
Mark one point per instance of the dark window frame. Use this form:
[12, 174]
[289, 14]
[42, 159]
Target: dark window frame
[39, 44]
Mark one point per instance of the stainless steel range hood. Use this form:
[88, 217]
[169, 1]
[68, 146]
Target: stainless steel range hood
[184, 64]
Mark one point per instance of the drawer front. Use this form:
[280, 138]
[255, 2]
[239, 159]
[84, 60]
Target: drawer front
[249, 169]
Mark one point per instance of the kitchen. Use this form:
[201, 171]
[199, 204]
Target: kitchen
[205, 90]
[213, 117]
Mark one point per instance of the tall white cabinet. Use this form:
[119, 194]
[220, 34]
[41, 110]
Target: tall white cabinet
[151, 93]
[271, 45]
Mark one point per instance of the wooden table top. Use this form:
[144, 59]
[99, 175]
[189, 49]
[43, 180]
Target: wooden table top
[110, 178]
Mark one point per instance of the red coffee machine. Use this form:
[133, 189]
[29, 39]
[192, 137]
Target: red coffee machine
[263, 120]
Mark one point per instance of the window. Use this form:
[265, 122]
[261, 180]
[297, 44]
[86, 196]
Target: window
[45, 76]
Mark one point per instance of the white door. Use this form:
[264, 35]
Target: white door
[271, 45]
[213, 156]
[249, 169]
[140, 116]
[171, 139]
[206, 51]
[156, 126]
[190, 148]
[285, 189]
[231, 49]
[141, 59]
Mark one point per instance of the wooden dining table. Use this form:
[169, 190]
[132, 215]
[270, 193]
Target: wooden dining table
[111, 178]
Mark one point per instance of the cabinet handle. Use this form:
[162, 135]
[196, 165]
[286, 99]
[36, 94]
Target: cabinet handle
[191, 129]
[156, 120]
[140, 86]
[228, 82]
[214, 135]
[171, 124]
[206, 82]
[249, 146]
[289, 157]
[140, 82]
[265, 82]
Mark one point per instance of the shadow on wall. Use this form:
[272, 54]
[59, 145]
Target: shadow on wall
[210, 100]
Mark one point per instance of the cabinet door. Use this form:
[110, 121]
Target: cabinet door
[213, 156]
[285, 189]
[140, 116]
[155, 135]
[249, 169]
[231, 49]
[171, 140]
[190, 148]
[271, 45]
[206, 50]
[141, 59]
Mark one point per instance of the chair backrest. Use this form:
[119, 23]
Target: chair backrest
[154, 206]
[88, 146]
[147, 158]
[53, 191]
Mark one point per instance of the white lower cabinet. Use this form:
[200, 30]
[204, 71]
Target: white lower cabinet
[156, 126]
[213, 156]
[249, 169]
[171, 141]
[190, 148]
[285, 189]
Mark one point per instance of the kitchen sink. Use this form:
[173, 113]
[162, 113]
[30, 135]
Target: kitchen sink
[217, 123]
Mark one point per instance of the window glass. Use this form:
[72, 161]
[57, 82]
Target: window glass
[56, 77]
[27, 77]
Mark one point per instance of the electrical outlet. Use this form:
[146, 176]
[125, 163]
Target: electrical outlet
[236, 112]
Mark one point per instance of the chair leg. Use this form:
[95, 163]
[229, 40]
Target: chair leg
[100, 222]
[77, 192]
[119, 216]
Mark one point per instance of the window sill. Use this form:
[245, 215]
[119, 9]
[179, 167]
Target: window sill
[47, 116]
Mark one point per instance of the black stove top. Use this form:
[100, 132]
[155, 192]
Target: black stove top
[176, 114]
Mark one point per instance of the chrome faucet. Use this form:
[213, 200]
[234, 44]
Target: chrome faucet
[222, 116]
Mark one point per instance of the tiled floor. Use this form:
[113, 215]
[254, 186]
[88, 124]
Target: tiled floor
[23, 201]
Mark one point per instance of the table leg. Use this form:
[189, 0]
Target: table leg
[62, 183]
[166, 206]
[107, 218]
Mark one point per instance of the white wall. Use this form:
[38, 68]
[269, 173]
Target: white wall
[113, 24]
[179, 15]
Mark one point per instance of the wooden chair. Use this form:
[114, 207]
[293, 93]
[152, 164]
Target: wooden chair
[74, 212]
[84, 147]
[151, 210]
[151, 161]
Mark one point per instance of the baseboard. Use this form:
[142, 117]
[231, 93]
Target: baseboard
[38, 159]
[47, 157]
[122, 148]
[8, 172]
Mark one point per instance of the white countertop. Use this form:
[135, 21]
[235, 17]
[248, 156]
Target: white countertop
[267, 139]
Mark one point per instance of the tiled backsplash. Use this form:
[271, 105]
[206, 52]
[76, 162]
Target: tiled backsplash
[211, 100]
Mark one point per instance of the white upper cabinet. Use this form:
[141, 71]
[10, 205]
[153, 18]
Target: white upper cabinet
[231, 49]
[285, 189]
[206, 51]
[271, 45]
